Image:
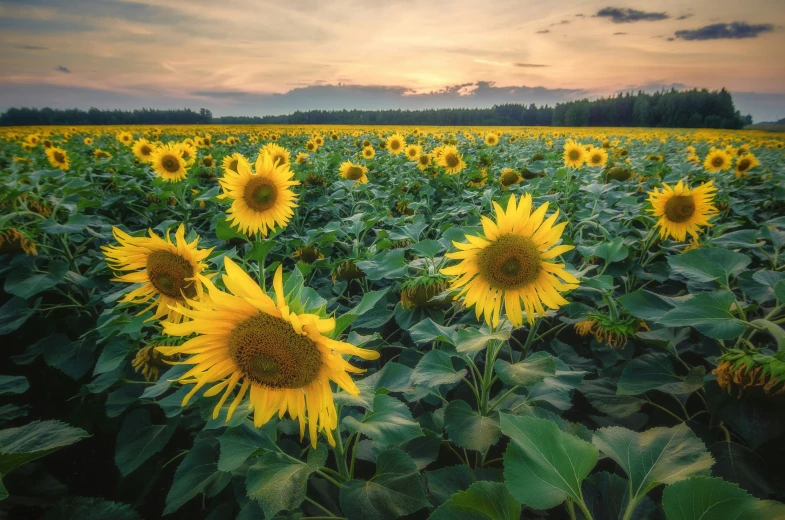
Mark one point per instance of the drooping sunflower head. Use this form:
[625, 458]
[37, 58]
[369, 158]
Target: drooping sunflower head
[232, 162]
[277, 153]
[742, 370]
[143, 150]
[14, 241]
[395, 144]
[169, 271]
[717, 160]
[168, 163]
[682, 210]
[149, 362]
[478, 179]
[491, 139]
[261, 201]
[511, 263]
[308, 254]
[58, 158]
[425, 292]
[275, 349]
[597, 157]
[353, 172]
[745, 163]
[619, 173]
[451, 160]
[101, 154]
[614, 333]
[509, 177]
[574, 154]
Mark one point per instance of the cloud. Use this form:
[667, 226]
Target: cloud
[544, 31]
[563, 22]
[529, 65]
[685, 16]
[619, 33]
[31, 47]
[63, 69]
[725, 31]
[626, 15]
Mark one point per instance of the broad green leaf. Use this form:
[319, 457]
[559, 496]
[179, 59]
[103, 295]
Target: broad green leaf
[24, 283]
[197, 473]
[13, 385]
[530, 371]
[656, 456]
[279, 482]
[543, 466]
[428, 330]
[482, 501]
[14, 313]
[614, 251]
[779, 291]
[707, 264]
[389, 423]
[386, 265]
[369, 301]
[225, 231]
[427, 248]
[75, 224]
[34, 440]
[470, 341]
[557, 389]
[707, 498]
[445, 482]
[239, 442]
[89, 508]
[468, 429]
[655, 371]
[395, 490]
[113, 354]
[708, 312]
[393, 377]
[602, 395]
[434, 369]
[646, 304]
[139, 439]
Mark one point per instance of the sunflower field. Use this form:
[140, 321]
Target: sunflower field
[294, 322]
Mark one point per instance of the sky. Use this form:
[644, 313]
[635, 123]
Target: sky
[246, 57]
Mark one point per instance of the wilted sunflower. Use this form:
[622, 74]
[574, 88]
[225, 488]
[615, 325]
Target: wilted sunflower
[168, 163]
[744, 369]
[574, 154]
[149, 361]
[509, 263]
[682, 210]
[395, 144]
[717, 160]
[597, 157]
[353, 172]
[14, 241]
[619, 173]
[368, 152]
[614, 332]
[277, 153]
[491, 139]
[232, 162]
[276, 351]
[58, 158]
[308, 254]
[261, 201]
[423, 292]
[744, 164]
[413, 152]
[423, 161]
[451, 160]
[143, 150]
[169, 272]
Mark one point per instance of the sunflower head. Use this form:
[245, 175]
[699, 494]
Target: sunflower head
[232, 162]
[143, 150]
[58, 158]
[423, 161]
[395, 144]
[745, 163]
[508, 177]
[741, 370]
[574, 154]
[353, 172]
[619, 173]
[368, 152]
[348, 270]
[149, 361]
[168, 163]
[717, 160]
[278, 154]
[308, 254]
[491, 139]
[413, 152]
[424, 292]
[13, 241]
[613, 332]
[597, 157]
[682, 210]
[451, 160]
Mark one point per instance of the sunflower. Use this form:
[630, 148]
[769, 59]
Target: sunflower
[682, 210]
[412, 152]
[187, 151]
[744, 164]
[614, 332]
[395, 144]
[423, 161]
[143, 150]
[308, 254]
[208, 161]
[509, 264]
[318, 140]
[451, 160]
[277, 153]
[491, 139]
[619, 173]
[302, 158]
[353, 172]
[232, 162]
[574, 154]
[125, 137]
[261, 201]
[275, 351]
[368, 152]
[717, 160]
[101, 154]
[169, 272]
[58, 158]
[14, 241]
[168, 163]
[311, 146]
[597, 157]
[424, 291]
[508, 177]
[88, 141]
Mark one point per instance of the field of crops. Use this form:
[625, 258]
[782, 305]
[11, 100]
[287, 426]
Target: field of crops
[392, 322]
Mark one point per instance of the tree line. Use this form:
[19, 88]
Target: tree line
[673, 109]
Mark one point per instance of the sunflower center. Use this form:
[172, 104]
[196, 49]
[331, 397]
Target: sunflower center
[509, 177]
[510, 262]
[260, 193]
[170, 163]
[145, 150]
[270, 353]
[680, 208]
[168, 271]
[743, 164]
[394, 145]
[278, 160]
[717, 162]
[354, 173]
[451, 160]
[59, 157]
[596, 159]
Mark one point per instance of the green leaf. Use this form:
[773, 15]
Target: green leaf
[428, 330]
[707, 498]
[369, 301]
[445, 482]
[29, 442]
[388, 265]
[434, 369]
[239, 442]
[427, 248]
[14, 313]
[655, 371]
[543, 466]
[279, 482]
[779, 291]
[139, 439]
[656, 456]
[113, 354]
[225, 231]
[602, 395]
[482, 501]
[647, 305]
[707, 264]
[530, 371]
[709, 312]
[470, 341]
[613, 251]
[395, 490]
[10, 385]
[24, 283]
[389, 423]
[75, 224]
[468, 429]
[89, 508]
[196, 474]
